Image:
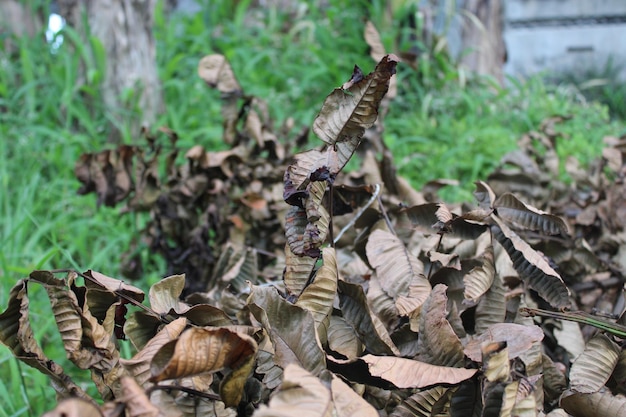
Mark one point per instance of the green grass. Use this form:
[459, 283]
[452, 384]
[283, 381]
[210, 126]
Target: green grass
[440, 126]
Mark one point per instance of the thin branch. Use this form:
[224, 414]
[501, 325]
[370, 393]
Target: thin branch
[207, 395]
[385, 216]
[330, 212]
[359, 213]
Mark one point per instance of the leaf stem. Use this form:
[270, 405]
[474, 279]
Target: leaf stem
[191, 391]
[359, 214]
[578, 317]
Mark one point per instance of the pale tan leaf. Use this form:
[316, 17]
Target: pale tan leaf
[425, 403]
[594, 366]
[594, 404]
[135, 400]
[484, 195]
[198, 350]
[165, 295]
[480, 279]
[510, 402]
[372, 37]
[300, 394]
[511, 209]
[216, 71]
[74, 407]
[112, 285]
[291, 329]
[319, 296]
[491, 308]
[532, 267]
[65, 308]
[356, 312]
[348, 403]
[619, 373]
[272, 373]
[140, 327]
[518, 338]
[343, 339]
[570, 337]
[254, 127]
[396, 269]
[438, 344]
[407, 373]
[17, 334]
[496, 366]
[139, 365]
[298, 270]
[346, 113]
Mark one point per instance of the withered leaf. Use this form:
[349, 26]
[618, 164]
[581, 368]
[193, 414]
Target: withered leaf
[372, 37]
[318, 297]
[519, 338]
[594, 404]
[532, 267]
[429, 402]
[136, 401]
[291, 329]
[346, 113]
[74, 407]
[370, 329]
[17, 334]
[407, 373]
[511, 209]
[216, 71]
[438, 344]
[139, 365]
[300, 394]
[298, 270]
[592, 369]
[199, 350]
[397, 269]
[348, 403]
[480, 279]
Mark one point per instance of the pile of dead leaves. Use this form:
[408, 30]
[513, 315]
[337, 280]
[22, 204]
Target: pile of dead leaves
[359, 296]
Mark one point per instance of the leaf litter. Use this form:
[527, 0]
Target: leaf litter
[307, 289]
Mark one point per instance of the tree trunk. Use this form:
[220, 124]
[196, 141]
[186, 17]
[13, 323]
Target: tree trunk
[482, 36]
[125, 29]
[17, 18]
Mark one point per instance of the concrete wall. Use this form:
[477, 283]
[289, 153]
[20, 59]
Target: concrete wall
[572, 36]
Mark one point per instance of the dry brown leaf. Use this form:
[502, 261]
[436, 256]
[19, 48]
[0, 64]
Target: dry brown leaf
[532, 267]
[139, 365]
[135, 400]
[348, 403]
[291, 329]
[396, 269]
[216, 71]
[74, 407]
[438, 344]
[319, 296]
[593, 368]
[300, 394]
[198, 350]
[519, 339]
[407, 373]
[595, 404]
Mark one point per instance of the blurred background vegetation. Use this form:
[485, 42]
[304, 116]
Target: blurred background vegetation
[445, 123]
